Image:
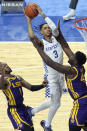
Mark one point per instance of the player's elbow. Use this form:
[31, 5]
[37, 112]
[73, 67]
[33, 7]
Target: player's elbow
[32, 38]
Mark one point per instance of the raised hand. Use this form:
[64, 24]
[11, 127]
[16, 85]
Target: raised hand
[28, 18]
[40, 11]
[58, 24]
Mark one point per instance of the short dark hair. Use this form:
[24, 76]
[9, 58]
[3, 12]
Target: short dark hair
[41, 26]
[81, 58]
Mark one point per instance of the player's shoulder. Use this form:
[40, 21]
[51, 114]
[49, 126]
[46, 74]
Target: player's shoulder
[19, 77]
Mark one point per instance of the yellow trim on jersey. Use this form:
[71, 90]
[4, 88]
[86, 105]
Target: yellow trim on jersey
[10, 95]
[83, 97]
[20, 91]
[17, 118]
[12, 78]
[76, 74]
[17, 84]
[70, 86]
[75, 112]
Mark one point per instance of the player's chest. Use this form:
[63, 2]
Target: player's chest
[14, 83]
[49, 47]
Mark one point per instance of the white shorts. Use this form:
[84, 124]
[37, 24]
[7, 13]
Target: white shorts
[55, 84]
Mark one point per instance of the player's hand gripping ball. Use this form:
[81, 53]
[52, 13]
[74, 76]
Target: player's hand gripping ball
[31, 10]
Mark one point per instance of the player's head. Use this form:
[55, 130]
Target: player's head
[45, 30]
[8, 70]
[78, 59]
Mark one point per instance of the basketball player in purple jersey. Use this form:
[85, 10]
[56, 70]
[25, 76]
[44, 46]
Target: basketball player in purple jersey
[75, 79]
[11, 86]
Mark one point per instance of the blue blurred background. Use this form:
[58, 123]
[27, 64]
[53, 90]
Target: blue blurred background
[14, 27]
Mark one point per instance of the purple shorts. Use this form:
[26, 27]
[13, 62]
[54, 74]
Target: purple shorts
[19, 116]
[79, 112]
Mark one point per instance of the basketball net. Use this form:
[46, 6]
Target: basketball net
[81, 26]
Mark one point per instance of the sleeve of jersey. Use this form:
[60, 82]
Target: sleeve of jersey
[51, 24]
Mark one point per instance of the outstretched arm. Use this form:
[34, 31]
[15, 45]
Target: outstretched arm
[32, 87]
[58, 67]
[57, 33]
[63, 42]
[32, 37]
[48, 21]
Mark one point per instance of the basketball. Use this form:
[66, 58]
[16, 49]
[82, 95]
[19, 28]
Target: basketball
[31, 11]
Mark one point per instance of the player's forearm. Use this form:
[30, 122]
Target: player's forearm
[37, 87]
[58, 67]
[30, 30]
[65, 45]
[43, 15]
[32, 87]
[52, 25]
[49, 22]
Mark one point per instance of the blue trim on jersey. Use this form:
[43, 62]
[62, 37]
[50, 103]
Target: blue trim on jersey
[47, 91]
[47, 40]
[46, 70]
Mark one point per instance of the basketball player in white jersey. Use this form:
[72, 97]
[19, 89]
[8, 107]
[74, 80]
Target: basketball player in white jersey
[55, 79]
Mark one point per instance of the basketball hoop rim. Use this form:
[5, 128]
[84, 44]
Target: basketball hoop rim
[78, 26]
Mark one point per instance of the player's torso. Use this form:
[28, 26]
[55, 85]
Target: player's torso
[14, 93]
[77, 86]
[54, 51]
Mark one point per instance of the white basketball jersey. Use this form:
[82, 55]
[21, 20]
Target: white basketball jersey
[54, 51]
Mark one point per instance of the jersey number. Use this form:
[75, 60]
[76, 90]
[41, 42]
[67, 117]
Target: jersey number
[55, 53]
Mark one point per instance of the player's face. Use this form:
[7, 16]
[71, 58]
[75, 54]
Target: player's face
[72, 60]
[46, 30]
[8, 70]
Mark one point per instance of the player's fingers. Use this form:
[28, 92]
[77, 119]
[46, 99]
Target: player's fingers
[26, 16]
[58, 24]
[38, 9]
[38, 5]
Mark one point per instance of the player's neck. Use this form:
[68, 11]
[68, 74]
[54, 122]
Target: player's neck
[48, 38]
